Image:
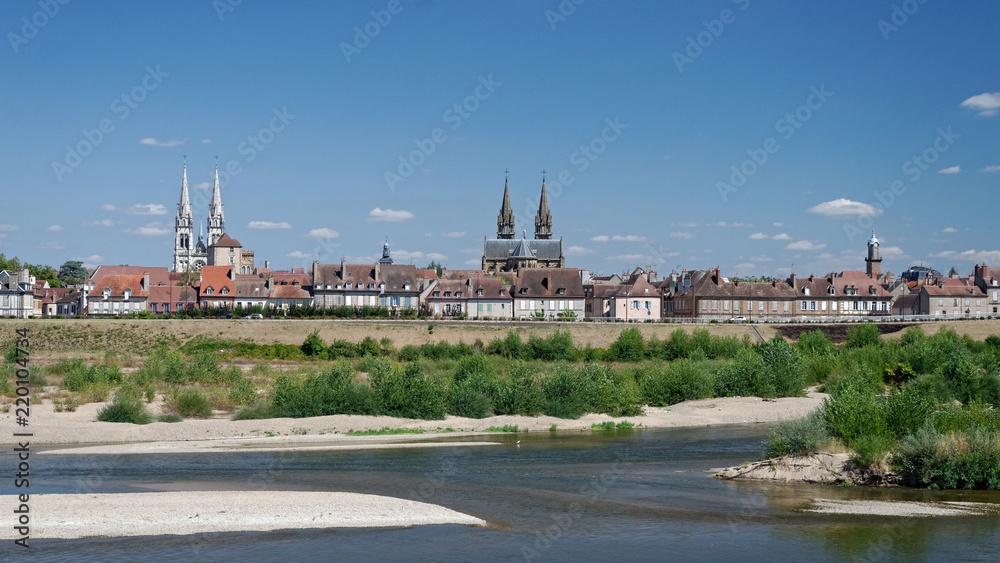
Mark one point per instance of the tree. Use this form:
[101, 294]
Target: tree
[436, 267]
[952, 272]
[11, 265]
[72, 272]
[44, 273]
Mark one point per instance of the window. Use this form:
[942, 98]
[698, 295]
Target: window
[967, 302]
[437, 294]
[561, 291]
[480, 307]
[995, 295]
[406, 287]
[127, 293]
[225, 291]
[479, 292]
[107, 292]
[348, 284]
[725, 305]
[166, 307]
[340, 286]
[152, 308]
[503, 292]
[125, 307]
[774, 306]
[823, 306]
[648, 305]
[328, 286]
[635, 304]
[458, 294]
[447, 294]
[209, 291]
[832, 290]
[715, 305]
[383, 301]
[786, 306]
[805, 290]
[371, 285]
[940, 301]
[760, 305]
[956, 303]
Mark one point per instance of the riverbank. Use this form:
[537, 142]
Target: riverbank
[821, 468]
[81, 427]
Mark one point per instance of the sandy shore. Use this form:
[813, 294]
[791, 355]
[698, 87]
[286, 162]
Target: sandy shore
[80, 427]
[902, 508]
[196, 512]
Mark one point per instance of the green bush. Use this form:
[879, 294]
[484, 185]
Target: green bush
[406, 392]
[680, 380]
[628, 347]
[313, 346]
[128, 407]
[80, 377]
[193, 403]
[861, 335]
[961, 460]
[256, 411]
[804, 436]
[370, 347]
[557, 346]
[336, 391]
[745, 376]
[785, 374]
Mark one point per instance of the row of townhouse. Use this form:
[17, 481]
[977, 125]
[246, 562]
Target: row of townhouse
[531, 293]
[17, 294]
[706, 294]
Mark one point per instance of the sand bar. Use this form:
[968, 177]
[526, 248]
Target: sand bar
[902, 508]
[260, 445]
[180, 513]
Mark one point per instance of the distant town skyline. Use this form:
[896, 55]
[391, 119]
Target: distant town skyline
[760, 138]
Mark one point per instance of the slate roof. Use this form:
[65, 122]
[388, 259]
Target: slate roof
[227, 242]
[546, 282]
[502, 249]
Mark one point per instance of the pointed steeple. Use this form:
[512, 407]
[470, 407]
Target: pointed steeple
[505, 221]
[184, 206]
[543, 220]
[216, 219]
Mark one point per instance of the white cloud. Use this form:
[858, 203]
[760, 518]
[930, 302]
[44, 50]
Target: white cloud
[418, 255]
[782, 236]
[745, 266]
[154, 142]
[473, 262]
[682, 234]
[806, 245]
[390, 215]
[991, 169]
[777, 224]
[455, 234]
[91, 261]
[600, 238]
[51, 246]
[989, 256]
[206, 141]
[298, 254]
[55, 228]
[842, 206]
[629, 258]
[104, 223]
[323, 233]
[891, 252]
[8, 228]
[761, 259]
[987, 103]
[578, 251]
[268, 225]
[147, 209]
[759, 236]
[204, 186]
[150, 230]
[731, 225]
[950, 230]
[950, 170]
[688, 225]
[108, 207]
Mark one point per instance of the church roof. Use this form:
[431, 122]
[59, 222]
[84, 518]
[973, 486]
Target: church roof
[501, 249]
[522, 250]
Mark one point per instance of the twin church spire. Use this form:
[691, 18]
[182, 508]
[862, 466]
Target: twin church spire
[543, 219]
[189, 254]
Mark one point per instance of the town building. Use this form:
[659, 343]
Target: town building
[191, 255]
[17, 294]
[548, 293]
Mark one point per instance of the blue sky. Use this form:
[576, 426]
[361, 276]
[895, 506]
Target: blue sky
[757, 137]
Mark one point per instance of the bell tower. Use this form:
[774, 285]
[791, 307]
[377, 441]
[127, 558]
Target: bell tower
[874, 260]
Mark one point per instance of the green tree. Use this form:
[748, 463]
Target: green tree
[436, 266]
[72, 272]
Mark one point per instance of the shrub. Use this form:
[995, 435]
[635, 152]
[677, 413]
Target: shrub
[745, 376]
[336, 391]
[967, 460]
[680, 380]
[467, 401]
[193, 403]
[406, 392]
[557, 346]
[785, 374]
[804, 436]
[853, 411]
[126, 407]
[628, 347]
[859, 336]
[370, 347]
[313, 346]
[256, 411]
[79, 377]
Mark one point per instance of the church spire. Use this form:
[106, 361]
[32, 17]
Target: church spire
[183, 224]
[543, 220]
[505, 221]
[216, 219]
[184, 206]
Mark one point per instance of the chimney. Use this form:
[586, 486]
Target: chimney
[343, 267]
[791, 280]
[232, 272]
[145, 281]
[267, 264]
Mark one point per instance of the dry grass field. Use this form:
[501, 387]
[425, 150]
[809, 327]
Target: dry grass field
[57, 338]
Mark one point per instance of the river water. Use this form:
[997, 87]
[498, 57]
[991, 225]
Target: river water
[641, 495]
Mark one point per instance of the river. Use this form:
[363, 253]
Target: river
[638, 495]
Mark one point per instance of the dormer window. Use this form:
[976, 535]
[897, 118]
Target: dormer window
[225, 291]
[107, 292]
[523, 291]
[447, 294]
[458, 294]
[371, 285]
[381, 286]
[479, 292]
[832, 290]
[348, 284]
[805, 290]
[561, 291]
[328, 286]
[437, 294]
[209, 291]
[127, 293]
[406, 287]
[503, 292]
[340, 286]
[872, 291]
